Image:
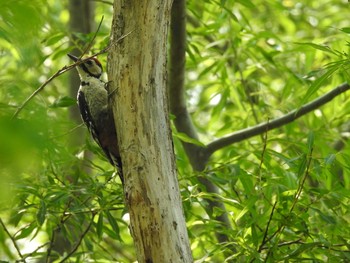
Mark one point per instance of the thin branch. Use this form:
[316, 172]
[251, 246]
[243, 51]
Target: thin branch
[63, 219]
[302, 181]
[13, 240]
[263, 242]
[317, 244]
[80, 239]
[36, 250]
[279, 231]
[267, 126]
[86, 50]
[60, 72]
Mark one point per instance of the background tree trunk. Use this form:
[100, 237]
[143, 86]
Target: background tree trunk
[81, 20]
[137, 71]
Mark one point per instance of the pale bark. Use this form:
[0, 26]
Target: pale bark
[137, 71]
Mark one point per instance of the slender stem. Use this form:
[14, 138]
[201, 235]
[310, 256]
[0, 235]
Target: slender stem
[261, 128]
[80, 239]
[60, 72]
[13, 240]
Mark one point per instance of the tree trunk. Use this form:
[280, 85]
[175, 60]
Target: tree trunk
[137, 74]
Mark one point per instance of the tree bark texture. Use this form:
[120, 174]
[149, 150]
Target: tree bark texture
[137, 74]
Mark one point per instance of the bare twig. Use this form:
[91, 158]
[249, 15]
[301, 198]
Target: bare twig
[12, 240]
[302, 181]
[63, 219]
[263, 242]
[279, 231]
[267, 126]
[36, 250]
[60, 72]
[317, 244]
[68, 132]
[86, 50]
[80, 239]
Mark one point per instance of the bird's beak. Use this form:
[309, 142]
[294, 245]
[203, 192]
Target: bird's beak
[72, 57]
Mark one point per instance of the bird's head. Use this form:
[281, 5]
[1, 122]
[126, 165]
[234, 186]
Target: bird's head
[89, 68]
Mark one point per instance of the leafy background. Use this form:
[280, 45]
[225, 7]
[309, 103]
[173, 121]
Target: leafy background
[286, 192]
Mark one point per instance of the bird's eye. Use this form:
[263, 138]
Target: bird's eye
[89, 62]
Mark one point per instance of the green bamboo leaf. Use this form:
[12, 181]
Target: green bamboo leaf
[41, 214]
[310, 141]
[113, 223]
[247, 3]
[303, 247]
[329, 160]
[25, 231]
[99, 226]
[317, 84]
[316, 46]
[345, 30]
[54, 39]
[183, 137]
[247, 182]
[302, 166]
[63, 102]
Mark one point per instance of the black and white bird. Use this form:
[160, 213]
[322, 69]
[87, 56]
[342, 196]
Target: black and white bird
[93, 105]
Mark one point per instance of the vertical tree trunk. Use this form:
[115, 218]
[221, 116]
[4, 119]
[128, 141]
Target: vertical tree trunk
[137, 71]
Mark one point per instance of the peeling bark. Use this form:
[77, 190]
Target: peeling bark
[137, 71]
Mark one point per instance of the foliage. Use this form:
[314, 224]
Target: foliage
[286, 192]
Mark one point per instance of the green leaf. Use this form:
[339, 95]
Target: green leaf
[319, 47]
[41, 214]
[345, 30]
[246, 3]
[329, 160]
[302, 248]
[183, 137]
[310, 141]
[113, 223]
[317, 84]
[63, 102]
[54, 39]
[247, 182]
[25, 231]
[302, 165]
[99, 226]
[329, 219]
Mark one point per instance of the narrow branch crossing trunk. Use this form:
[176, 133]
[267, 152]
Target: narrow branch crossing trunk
[137, 71]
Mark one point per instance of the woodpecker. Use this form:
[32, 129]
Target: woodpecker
[93, 105]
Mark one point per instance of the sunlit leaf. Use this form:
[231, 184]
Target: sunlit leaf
[63, 102]
[41, 214]
[99, 225]
[183, 137]
[310, 141]
[318, 83]
[25, 231]
[113, 223]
